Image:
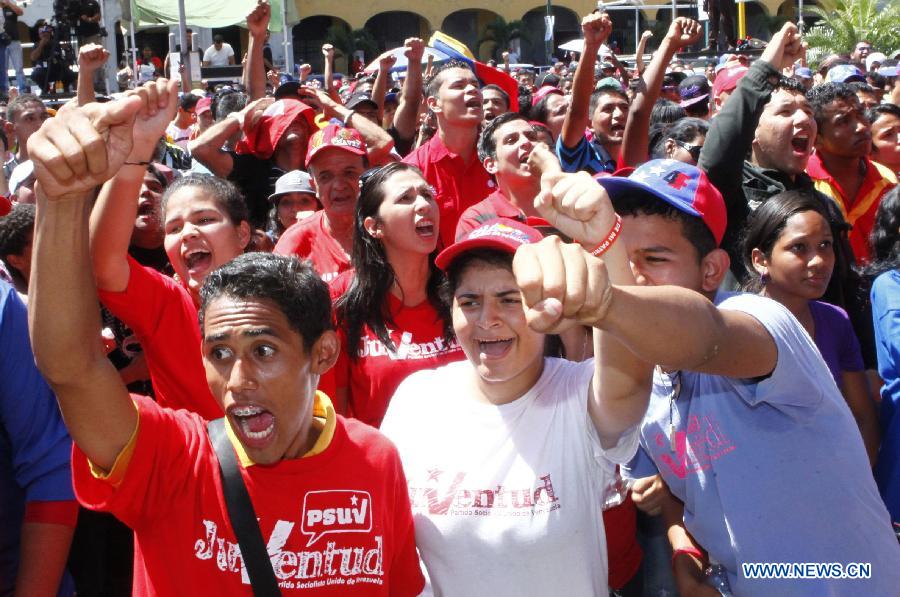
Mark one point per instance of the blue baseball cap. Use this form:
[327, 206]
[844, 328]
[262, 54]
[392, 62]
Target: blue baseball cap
[287, 87]
[681, 185]
[844, 73]
[802, 72]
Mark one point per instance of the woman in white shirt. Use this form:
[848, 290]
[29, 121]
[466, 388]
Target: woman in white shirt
[507, 453]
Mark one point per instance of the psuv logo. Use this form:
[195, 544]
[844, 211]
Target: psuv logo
[677, 180]
[336, 511]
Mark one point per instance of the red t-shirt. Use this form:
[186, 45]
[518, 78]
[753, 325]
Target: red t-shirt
[495, 205]
[336, 523]
[309, 239]
[371, 379]
[164, 318]
[624, 554]
[457, 186]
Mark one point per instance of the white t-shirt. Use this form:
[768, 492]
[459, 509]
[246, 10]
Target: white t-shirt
[218, 57]
[506, 499]
[180, 137]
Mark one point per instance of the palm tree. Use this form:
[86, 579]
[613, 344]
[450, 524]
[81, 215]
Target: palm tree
[501, 32]
[843, 23]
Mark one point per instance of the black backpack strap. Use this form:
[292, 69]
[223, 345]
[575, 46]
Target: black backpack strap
[242, 516]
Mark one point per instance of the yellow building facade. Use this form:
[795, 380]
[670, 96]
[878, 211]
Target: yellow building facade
[476, 14]
[357, 13]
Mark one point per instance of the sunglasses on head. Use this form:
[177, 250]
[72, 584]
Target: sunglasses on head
[366, 176]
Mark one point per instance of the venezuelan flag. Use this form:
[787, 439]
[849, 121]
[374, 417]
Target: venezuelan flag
[486, 74]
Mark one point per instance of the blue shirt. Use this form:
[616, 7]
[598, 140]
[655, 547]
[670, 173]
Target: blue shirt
[589, 156]
[772, 470]
[886, 315]
[35, 449]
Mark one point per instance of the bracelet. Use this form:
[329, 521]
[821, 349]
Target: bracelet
[137, 163]
[691, 551]
[607, 242]
[349, 116]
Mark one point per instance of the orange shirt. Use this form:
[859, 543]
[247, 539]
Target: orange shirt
[859, 211]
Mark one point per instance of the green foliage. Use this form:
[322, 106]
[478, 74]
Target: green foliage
[501, 32]
[346, 42]
[844, 23]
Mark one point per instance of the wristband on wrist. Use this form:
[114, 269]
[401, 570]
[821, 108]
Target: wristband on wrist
[691, 551]
[350, 115]
[607, 242]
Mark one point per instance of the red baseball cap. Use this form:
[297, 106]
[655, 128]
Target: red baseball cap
[544, 92]
[501, 234]
[728, 79]
[204, 105]
[338, 137]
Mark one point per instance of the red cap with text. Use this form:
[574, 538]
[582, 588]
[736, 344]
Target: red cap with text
[338, 137]
[500, 234]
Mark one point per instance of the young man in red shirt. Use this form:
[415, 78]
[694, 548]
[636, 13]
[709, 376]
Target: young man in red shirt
[336, 158]
[329, 495]
[449, 160]
[504, 147]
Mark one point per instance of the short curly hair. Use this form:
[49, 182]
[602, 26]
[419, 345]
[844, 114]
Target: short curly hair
[16, 230]
[822, 95]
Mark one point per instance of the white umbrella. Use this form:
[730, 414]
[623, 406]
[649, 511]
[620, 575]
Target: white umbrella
[577, 45]
[402, 62]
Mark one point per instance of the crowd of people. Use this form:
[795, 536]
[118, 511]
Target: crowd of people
[595, 331]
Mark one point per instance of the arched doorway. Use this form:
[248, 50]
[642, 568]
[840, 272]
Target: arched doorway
[469, 26]
[390, 29]
[566, 27]
[759, 23]
[310, 34]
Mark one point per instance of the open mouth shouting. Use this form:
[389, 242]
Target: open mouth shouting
[425, 228]
[197, 260]
[524, 154]
[147, 212]
[475, 103]
[496, 348]
[146, 208]
[801, 144]
[254, 424]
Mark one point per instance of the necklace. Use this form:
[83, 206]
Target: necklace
[674, 387]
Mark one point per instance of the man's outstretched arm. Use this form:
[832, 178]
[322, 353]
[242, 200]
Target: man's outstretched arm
[74, 153]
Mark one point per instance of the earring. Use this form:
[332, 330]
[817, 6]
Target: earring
[764, 278]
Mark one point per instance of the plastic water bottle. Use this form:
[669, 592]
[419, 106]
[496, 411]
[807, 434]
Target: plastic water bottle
[717, 578]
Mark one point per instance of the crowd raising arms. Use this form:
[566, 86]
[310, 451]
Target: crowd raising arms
[442, 343]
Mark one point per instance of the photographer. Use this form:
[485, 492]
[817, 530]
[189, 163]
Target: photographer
[90, 31]
[89, 23]
[48, 64]
[11, 47]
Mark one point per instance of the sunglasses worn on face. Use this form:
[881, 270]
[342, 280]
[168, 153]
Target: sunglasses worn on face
[694, 150]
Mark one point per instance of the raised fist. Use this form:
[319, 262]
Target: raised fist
[596, 27]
